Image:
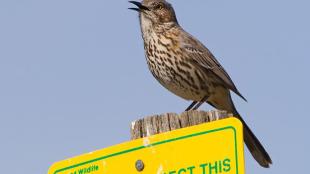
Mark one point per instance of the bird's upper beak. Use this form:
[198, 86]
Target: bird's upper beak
[139, 5]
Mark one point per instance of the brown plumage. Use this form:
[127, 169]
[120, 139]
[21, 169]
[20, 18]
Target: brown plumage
[187, 68]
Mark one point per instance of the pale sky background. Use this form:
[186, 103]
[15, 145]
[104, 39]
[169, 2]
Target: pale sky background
[73, 76]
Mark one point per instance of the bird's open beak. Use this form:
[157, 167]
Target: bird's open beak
[139, 5]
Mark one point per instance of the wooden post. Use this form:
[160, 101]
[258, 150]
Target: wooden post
[156, 124]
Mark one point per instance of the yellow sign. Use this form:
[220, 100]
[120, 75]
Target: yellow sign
[210, 148]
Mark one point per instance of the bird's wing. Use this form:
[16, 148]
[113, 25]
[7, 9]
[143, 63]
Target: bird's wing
[202, 57]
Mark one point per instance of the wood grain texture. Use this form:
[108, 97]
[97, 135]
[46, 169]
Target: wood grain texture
[156, 124]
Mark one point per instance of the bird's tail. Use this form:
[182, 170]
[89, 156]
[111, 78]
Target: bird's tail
[255, 147]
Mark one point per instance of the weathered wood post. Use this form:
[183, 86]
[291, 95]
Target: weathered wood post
[156, 124]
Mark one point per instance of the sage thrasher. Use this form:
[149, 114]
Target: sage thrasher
[184, 66]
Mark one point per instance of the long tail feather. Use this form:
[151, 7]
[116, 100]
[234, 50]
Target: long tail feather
[255, 147]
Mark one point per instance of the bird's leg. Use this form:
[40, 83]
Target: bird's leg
[200, 103]
[191, 106]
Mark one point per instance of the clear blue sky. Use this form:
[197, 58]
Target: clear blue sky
[73, 76]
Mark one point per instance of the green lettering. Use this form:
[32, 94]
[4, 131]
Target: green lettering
[226, 164]
[172, 172]
[213, 167]
[220, 166]
[191, 169]
[182, 171]
[203, 167]
[81, 171]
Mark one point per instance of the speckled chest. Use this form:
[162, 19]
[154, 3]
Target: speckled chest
[160, 60]
[167, 65]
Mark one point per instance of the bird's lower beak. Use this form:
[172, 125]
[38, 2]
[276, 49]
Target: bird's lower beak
[139, 5]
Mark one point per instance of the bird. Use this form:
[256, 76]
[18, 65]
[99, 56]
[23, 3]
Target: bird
[187, 68]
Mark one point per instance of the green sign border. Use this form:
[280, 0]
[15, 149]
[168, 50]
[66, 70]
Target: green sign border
[156, 144]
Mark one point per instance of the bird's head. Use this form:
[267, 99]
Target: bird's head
[157, 12]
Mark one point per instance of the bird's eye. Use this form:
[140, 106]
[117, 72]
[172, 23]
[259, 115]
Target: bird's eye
[158, 6]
